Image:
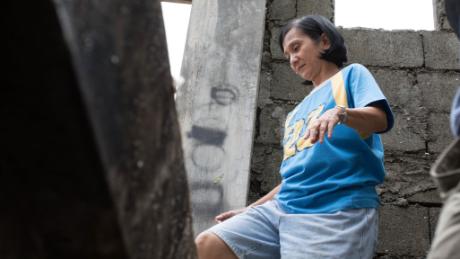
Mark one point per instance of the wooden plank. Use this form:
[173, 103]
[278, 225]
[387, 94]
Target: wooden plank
[217, 102]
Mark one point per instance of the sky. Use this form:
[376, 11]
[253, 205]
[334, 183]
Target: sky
[176, 17]
[385, 14]
[375, 14]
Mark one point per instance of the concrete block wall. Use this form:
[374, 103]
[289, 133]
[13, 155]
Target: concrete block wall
[418, 71]
[441, 22]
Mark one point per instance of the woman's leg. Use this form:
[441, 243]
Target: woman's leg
[210, 246]
[252, 234]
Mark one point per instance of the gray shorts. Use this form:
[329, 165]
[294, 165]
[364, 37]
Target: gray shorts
[266, 231]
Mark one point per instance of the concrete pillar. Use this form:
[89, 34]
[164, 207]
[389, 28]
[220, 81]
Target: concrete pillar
[440, 18]
[91, 163]
[120, 55]
[217, 102]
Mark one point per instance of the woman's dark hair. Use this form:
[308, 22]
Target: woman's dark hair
[314, 26]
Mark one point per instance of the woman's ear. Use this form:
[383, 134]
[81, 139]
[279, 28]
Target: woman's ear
[325, 43]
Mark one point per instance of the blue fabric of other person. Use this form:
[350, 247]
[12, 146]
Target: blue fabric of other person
[455, 115]
[342, 172]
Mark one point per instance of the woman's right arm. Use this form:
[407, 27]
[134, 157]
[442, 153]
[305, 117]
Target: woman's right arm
[226, 215]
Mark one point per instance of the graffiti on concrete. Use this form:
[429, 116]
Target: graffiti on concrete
[208, 133]
[224, 95]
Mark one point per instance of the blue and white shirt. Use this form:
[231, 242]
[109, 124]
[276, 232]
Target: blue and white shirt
[342, 172]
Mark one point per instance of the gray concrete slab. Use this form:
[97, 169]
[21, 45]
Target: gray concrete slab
[274, 45]
[407, 175]
[441, 50]
[286, 85]
[438, 89]
[407, 133]
[264, 89]
[323, 7]
[403, 231]
[400, 88]
[265, 167]
[282, 9]
[271, 121]
[441, 135]
[384, 48]
[430, 198]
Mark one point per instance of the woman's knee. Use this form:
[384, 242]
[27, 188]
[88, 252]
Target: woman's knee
[209, 245]
[205, 240]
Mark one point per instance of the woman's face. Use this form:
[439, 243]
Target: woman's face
[304, 53]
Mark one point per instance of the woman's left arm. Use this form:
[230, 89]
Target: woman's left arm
[365, 120]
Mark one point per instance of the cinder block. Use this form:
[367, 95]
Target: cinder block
[264, 89]
[441, 50]
[438, 90]
[282, 9]
[286, 85]
[429, 197]
[407, 175]
[271, 123]
[399, 88]
[384, 48]
[403, 231]
[323, 7]
[407, 133]
[440, 135]
[274, 45]
[271, 175]
[258, 158]
[265, 167]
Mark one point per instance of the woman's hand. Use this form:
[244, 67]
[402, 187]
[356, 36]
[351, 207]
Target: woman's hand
[226, 215]
[324, 124]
